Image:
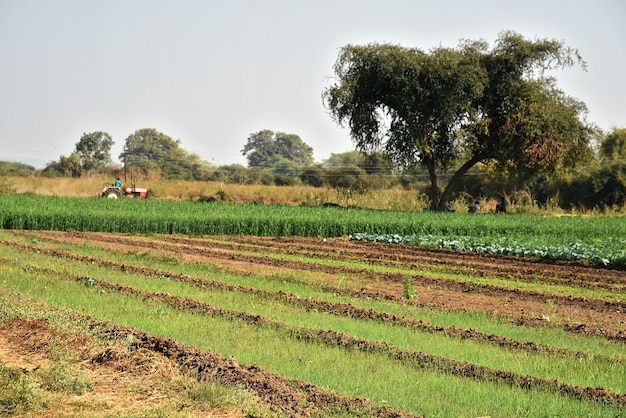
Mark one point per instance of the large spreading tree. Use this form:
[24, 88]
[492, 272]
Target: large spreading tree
[451, 108]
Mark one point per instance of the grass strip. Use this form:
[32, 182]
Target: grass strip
[564, 289]
[615, 303]
[196, 392]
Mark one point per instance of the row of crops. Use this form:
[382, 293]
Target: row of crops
[607, 251]
[340, 318]
[596, 239]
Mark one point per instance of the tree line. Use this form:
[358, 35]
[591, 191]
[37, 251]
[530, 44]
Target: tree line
[474, 120]
[600, 182]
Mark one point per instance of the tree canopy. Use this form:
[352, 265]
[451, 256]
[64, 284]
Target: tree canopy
[151, 150]
[451, 108]
[15, 169]
[613, 147]
[94, 150]
[264, 146]
[344, 159]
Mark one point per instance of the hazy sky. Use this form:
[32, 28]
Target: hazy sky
[210, 73]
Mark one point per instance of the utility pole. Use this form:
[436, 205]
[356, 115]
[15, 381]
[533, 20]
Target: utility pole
[124, 154]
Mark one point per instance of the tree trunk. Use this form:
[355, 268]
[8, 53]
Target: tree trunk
[434, 191]
[456, 177]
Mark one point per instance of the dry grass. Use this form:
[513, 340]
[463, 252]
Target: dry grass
[395, 199]
[521, 202]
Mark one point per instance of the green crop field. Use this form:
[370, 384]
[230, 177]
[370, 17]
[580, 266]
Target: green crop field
[352, 304]
[599, 239]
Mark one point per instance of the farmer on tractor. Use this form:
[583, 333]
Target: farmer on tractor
[116, 191]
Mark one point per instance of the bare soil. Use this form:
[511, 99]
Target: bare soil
[113, 369]
[122, 382]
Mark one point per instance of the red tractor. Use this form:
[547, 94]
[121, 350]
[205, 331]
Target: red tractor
[113, 192]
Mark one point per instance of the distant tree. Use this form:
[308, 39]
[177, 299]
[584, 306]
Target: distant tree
[603, 186]
[281, 165]
[150, 150]
[152, 145]
[377, 163]
[313, 176]
[285, 180]
[233, 173]
[372, 163]
[260, 147]
[609, 185]
[292, 148]
[71, 166]
[600, 183]
[264, 145]
[608, 179]
[613, 146]
[66, 167]
[453, 108]
[343, 159]
[94, 150]
[201, 170]
[351, 178]
[52, 169]
[260, 176]
[13, 169]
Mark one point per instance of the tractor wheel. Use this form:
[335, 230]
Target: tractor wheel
[113, 194]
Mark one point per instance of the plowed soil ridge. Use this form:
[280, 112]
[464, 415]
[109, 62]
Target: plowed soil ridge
[587, 312]
[216, 253]
[417, 359]
[519, 268]
[333, 308]
[526, 269]
[248, 253]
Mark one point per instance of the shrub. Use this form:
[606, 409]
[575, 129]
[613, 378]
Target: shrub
[7, 186]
